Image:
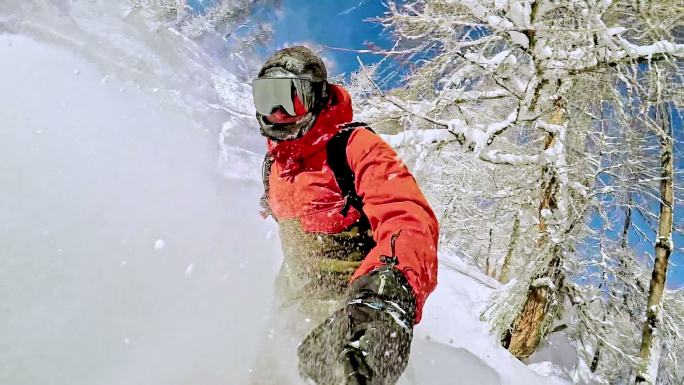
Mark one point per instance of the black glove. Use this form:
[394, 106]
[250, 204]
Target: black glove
[367, 342]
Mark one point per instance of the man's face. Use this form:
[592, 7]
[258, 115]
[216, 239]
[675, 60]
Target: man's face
[283, 102]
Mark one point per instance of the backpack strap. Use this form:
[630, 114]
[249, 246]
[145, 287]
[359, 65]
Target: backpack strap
[265, 175]
[338, 163]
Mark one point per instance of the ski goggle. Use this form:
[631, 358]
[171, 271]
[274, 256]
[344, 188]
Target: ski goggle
[294, 95]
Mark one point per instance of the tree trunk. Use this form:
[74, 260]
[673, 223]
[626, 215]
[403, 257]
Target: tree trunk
[489, 255]
[527, 329]
[595, 361]
[650, 340]
[506, 266]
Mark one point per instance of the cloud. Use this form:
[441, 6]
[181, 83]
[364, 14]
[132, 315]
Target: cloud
[352, 8]
[280, 13]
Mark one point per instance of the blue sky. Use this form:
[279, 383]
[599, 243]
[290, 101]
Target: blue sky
[332, 23]
[329, 26]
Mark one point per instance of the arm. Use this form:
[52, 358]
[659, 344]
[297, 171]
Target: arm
[393, 202]
[370, 337]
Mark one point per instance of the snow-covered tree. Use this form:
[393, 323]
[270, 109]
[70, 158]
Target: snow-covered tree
[231, 27]
[651, 343]
[521, 101]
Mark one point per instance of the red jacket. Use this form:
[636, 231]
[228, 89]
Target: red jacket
[303, 187]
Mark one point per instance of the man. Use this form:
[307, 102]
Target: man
[358, 236]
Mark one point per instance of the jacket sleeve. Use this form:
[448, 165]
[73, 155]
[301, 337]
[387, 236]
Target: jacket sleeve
[393, 202]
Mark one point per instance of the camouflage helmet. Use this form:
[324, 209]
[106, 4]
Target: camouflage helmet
[299, 61]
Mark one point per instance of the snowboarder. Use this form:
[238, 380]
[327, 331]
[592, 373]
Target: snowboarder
[358, 237]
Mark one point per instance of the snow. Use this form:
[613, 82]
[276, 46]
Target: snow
[544, 281]
[96, 167]
[453, 342]
[520, 38]
[519, 12]
[159, 244]
[479, 135]
[108, 173]
[494, 20]
[660, 47]
[550, 128]
[492, 62]
[500, 4]
[189, 269]
[475, 8]
[418, 137]
[498, 22]
[615, 30]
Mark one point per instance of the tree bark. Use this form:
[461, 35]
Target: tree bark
[527, 329]
[489, 255]
[649, 353]
[595, 361]
[506, 266]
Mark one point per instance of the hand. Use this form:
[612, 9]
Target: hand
[367, 342]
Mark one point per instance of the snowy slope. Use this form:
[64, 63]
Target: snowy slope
[128, 255]
[126, 258]
[453, 346]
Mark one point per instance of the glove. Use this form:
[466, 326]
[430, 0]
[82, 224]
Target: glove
[367, 342]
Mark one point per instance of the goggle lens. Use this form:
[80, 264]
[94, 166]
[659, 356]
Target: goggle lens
[272, 93]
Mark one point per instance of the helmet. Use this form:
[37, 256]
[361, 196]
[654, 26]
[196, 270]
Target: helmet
[289, 92]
